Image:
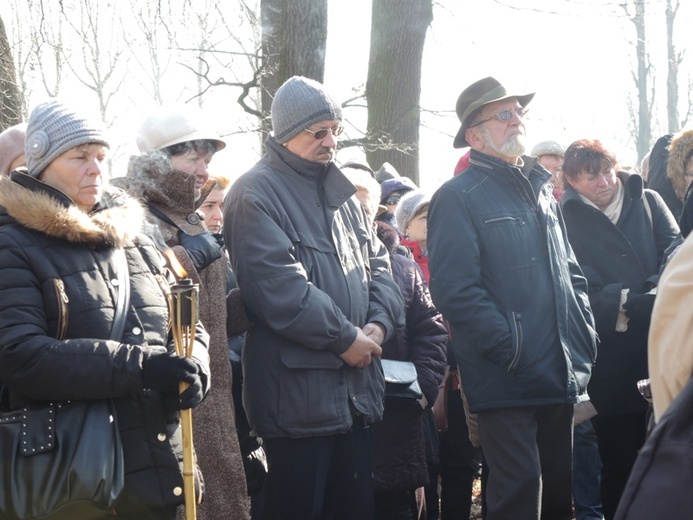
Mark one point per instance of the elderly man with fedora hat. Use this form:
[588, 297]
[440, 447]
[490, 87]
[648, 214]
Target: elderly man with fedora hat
[317, 283]
[505, 277]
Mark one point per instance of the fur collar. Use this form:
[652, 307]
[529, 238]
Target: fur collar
[115, 221]
[680, 148]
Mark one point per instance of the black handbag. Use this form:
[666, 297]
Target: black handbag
[401, 383]
[64, 460]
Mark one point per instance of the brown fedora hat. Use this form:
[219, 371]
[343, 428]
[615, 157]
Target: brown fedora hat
[477, 95]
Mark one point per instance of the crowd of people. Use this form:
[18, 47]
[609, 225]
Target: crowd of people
[533, 295]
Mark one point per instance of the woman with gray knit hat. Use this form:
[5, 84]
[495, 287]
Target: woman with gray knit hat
[171, 177]
[73, 245]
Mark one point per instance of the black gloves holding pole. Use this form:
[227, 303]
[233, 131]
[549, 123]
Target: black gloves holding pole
[164, 371]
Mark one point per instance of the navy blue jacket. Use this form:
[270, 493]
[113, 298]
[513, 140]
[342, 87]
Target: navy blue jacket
[505, 277]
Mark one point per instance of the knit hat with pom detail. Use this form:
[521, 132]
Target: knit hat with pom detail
[53, 129]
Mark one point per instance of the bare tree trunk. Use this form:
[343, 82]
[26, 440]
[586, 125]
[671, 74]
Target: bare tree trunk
[644, 131]
[673, 61]
[10, 97]
[393, 88]
[294, 39]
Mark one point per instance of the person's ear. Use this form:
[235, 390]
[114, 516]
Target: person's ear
[474, 139]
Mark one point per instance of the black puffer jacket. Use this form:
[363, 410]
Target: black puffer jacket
[57, 302]
[399, 461]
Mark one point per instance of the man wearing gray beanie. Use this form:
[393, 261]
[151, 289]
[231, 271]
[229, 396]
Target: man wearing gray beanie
[316, 280]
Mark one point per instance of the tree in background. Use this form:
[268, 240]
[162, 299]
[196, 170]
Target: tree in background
[294, 41]
[393, 88]
[10, 97]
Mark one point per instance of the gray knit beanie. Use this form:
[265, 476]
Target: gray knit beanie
[548, 148]
[53, 129]
[299, 103]
[409, 206]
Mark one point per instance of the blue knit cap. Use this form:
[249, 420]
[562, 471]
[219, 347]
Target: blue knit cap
[53, 129]
[299, 103]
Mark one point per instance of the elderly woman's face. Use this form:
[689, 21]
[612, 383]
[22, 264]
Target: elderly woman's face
[78, 174]
[194, 163]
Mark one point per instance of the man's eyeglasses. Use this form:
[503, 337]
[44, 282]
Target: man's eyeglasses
[392, 199]
[505, 115]
[322, 133]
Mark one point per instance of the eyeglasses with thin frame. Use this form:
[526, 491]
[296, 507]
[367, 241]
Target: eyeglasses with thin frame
[322, 133]
[504, 115]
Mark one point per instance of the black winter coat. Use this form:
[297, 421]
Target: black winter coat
[57, 302]
[400, 453]
[615, 257]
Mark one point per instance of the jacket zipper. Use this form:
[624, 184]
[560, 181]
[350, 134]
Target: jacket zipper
[517, 341]
[63, 300]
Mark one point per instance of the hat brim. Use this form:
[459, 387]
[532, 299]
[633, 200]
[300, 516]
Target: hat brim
[460, 139]
[196, 136]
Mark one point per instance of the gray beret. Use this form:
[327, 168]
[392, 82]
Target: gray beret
[299, 103]
[548, 148]
[53, 129]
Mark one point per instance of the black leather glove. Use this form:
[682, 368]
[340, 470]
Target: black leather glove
[165, 371]
[638, 307]
[203, 249]
[219, 237]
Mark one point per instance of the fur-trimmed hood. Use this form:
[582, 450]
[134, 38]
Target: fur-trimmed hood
[680, 149]
[115, 221]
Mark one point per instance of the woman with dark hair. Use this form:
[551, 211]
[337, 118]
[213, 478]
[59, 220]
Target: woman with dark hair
[619, 232]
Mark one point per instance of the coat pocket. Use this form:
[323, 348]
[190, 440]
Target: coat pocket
[62, 300]
[515, 320]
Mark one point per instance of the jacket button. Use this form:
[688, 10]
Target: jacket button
[178, 491]
[115, 282]
[193, 219]
[161, 437]
[136, 331]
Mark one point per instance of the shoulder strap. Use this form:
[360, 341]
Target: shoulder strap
[123, 298]
[648, 208]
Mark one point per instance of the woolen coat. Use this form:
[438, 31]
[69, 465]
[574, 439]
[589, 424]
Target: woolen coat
[625, 255]
[216, 440]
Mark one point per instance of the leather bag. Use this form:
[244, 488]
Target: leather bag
[64, 460]
[401, 383]
[60, 461]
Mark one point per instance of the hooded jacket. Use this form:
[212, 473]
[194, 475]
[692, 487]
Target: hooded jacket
[172, 193]
[311, 270]
[56, 312]
[504, 276]
[627, 255]
[680, 150]
[657, 177]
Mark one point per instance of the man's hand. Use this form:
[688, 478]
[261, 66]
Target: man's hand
[375, 331]
[361, 351]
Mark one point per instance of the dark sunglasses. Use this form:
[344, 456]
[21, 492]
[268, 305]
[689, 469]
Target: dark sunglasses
[504, 115]
[321, 134]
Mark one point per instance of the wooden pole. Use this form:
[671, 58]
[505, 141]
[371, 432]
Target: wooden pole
[183, 337]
